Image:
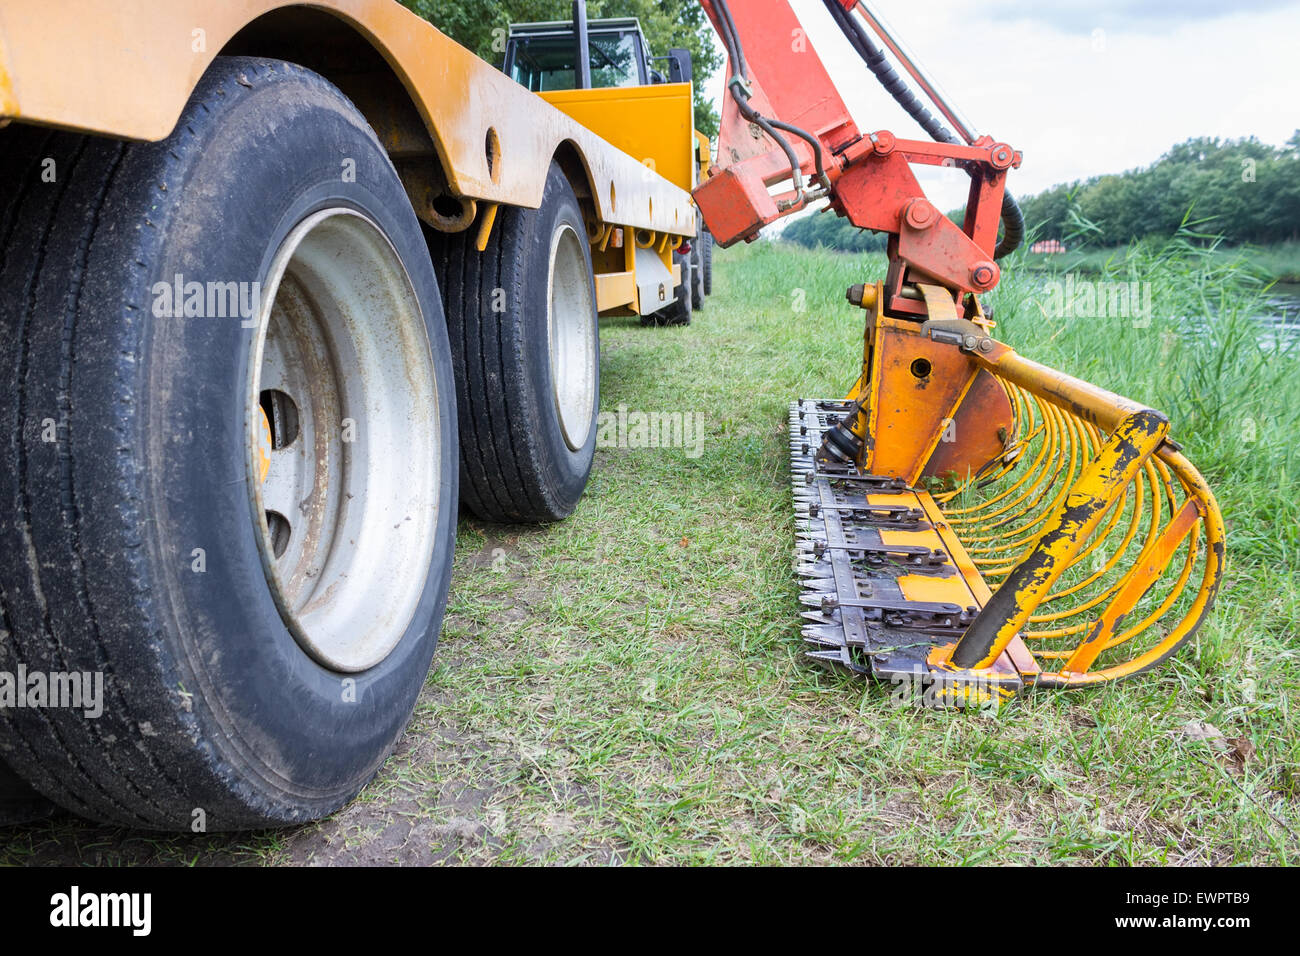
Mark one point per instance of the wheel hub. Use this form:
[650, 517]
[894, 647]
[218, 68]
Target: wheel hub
[571, 337]
[342, 414]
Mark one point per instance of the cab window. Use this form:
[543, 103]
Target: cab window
[545, 63]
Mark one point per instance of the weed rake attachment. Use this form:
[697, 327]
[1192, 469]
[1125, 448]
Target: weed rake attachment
[966, 517]
[974, 521]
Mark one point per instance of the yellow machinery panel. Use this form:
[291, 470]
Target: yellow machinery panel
[653, 124]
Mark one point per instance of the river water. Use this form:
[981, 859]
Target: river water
[1283, 318]
[1279, 319]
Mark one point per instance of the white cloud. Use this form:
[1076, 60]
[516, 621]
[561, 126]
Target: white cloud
[1150, 15]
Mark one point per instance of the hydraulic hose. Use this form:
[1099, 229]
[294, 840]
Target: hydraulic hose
[740, 93]
[1013, 220]
[1013, 226]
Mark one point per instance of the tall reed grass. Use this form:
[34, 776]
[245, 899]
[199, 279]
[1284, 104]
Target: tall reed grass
[1230, 386]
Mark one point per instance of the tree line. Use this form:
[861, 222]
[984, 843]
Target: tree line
[1241, 189]
[830, 231]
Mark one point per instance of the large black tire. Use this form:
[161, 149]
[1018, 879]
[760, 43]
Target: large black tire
[517, 463]
[214, 716]
[706, 254]
[679, 311]
[19, 803]
[697, 273]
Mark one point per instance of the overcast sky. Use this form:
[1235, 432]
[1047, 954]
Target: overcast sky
[1082, 87]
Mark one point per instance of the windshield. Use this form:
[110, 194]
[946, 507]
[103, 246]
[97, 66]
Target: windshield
[543, 63]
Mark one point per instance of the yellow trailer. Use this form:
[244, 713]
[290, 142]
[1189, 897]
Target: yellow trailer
[281, 285]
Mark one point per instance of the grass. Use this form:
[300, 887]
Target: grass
[1274, 262]
[1233, 395]
[629, 686]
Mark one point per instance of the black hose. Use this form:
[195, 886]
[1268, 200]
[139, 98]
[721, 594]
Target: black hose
[880, 66]
[812, 141]
[1013, 220]
[736, 52]
[732, 39]
[1013, 226]
[766, 126]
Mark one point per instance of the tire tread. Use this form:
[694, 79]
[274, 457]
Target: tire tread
[503, 475]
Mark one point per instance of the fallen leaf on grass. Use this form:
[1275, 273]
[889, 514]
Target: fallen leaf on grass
[1237, 751]
[1207, 732]
[1242, 751]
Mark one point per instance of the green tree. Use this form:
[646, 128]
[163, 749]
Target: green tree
[481, 26]
[1242, 189]
[829, 231]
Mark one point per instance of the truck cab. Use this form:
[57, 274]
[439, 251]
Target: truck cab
[543, 57]
[602, 73]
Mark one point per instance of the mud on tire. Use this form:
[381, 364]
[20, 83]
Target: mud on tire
[128, 545]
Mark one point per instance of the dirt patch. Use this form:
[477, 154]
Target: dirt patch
[442, 796]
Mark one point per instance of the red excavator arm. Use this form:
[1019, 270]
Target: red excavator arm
[783, 121]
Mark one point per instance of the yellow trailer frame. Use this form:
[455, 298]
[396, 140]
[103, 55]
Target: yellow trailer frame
[654, 125]
[464, 137]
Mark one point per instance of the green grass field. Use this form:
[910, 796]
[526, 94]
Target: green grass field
[628, 685]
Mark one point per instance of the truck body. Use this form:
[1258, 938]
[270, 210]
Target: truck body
[418, 248]
[637, 109]
[462, 134]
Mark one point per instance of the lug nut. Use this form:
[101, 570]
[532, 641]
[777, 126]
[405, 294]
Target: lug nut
[984, 275]
[920, 214]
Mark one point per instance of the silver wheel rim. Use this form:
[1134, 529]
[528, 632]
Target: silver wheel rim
[571, 334]
[343, 426]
